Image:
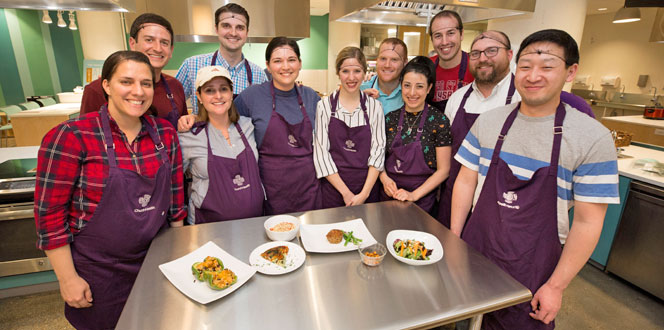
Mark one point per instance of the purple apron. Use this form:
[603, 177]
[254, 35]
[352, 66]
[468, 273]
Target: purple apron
[247, 68]
[350, 148]
[405, 163]
[286, 163]
[109, 251]
[174, 115]
[514, 224]
[234, 189]
[462, 123]
[462, 73]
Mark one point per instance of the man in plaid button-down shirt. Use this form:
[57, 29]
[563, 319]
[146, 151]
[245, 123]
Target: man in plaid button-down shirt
[232, 26]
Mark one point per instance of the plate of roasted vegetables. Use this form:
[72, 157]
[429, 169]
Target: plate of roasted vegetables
[415, 248]
[207, 273]
[276, 258]
[335, 237]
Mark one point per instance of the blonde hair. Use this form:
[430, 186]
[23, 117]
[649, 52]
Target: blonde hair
[351, 52]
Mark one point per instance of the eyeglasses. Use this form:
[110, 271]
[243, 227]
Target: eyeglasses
[489, 52]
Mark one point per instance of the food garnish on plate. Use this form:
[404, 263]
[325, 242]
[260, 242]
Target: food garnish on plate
[411, 249]
[276, 255]
[211, 270]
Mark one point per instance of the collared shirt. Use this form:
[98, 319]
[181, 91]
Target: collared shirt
[73, 168]
[189, 68]
[476, 102]
[391, 102]
[323, 161]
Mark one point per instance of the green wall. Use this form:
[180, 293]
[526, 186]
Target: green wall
[37, 58]
[313, 50]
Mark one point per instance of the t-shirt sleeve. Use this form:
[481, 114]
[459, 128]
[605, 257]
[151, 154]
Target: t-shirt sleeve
[92, 98]
[469, 152]
[595, 180]
[442, 131]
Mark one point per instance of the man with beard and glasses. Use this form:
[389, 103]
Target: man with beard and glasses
[489, 63]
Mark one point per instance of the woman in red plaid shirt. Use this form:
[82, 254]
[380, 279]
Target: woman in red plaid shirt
[107, 182]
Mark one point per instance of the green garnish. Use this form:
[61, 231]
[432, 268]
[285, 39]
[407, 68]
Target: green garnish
[348, 237]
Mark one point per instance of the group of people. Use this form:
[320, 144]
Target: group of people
[108, 181]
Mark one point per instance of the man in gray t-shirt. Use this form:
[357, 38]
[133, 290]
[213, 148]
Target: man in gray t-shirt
[547, 157]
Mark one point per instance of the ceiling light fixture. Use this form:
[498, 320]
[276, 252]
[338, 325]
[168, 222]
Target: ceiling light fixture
[627, 15]
[46, 18]
[72, 21]
[61, 21]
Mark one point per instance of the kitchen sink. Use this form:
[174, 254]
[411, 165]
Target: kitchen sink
[590, 95]
[629, 101]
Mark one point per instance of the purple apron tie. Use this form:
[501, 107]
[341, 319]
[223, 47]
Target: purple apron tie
[174, 115]
[462, 73]
[515, 225]
[109, 251]
[405, 164]
[350, 148]
[462, 123]
[247, 67]
[234, 189]
[286, 163]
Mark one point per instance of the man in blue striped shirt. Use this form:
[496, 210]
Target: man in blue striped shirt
[521, 195]
[232, 26]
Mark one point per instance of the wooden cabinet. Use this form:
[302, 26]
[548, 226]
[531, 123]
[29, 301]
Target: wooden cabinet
[30, 126]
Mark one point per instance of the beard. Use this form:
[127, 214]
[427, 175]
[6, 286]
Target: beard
[489, 77]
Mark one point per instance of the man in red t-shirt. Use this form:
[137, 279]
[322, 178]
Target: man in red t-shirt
[151, 35]
[446, 32]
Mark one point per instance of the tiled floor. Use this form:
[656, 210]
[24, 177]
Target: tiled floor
[594, 300]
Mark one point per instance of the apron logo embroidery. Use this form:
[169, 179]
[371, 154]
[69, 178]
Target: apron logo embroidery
[509, 197]
[350, 146]
[238, 180]
[397, 168]
[292, 141]
[144, 201]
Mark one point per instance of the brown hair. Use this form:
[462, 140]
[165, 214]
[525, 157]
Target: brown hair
[351, 52]
[233, 114]
[395, 42]
[447, 13]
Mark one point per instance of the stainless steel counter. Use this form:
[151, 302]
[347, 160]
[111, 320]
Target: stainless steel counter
[330, 291]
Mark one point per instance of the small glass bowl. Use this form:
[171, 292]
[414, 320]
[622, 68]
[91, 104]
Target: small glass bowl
[380, 249]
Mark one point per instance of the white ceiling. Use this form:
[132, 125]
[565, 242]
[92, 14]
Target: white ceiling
[322, 7]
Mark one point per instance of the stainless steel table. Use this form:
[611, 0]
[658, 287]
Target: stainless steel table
[330, 291]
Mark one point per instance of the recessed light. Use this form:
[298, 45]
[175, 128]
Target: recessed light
[602, 9]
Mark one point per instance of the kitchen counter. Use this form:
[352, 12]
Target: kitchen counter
[625, 164]
[331, 290]
[640, 120]
[18, 153]
[650, 131]
[30, 126]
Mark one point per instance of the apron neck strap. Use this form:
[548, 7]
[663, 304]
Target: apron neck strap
[169, 94]
[334, 102]
[557, 137]
[462, 68]
[466, 95]
[423, 117]
[510, 91]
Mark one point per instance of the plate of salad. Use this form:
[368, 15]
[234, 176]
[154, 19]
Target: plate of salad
[415, 248]
[335, 237]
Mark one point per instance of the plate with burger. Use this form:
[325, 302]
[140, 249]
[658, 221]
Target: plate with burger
[335, 237]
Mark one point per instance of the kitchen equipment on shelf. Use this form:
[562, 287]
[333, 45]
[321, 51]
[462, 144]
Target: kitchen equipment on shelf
[654, 112]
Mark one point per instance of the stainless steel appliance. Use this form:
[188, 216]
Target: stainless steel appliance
[637, 254]
[18, 253]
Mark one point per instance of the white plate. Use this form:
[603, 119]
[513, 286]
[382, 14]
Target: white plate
[179, 273]
[314, 240]
[294, 258]
[430, 242]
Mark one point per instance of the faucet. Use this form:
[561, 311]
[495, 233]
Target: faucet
[622, 92]
[654, 94]
[591, 95]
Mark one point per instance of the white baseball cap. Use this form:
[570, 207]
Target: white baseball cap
[208, 73]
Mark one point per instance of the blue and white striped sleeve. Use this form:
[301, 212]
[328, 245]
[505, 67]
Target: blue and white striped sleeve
[183, 77]
[596, 179]
[469, 152]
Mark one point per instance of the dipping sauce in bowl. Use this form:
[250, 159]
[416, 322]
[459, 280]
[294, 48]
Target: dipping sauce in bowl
[283, 226]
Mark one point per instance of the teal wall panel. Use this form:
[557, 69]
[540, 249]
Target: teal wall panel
[35, 52]
[66, 57]
[10, 80]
